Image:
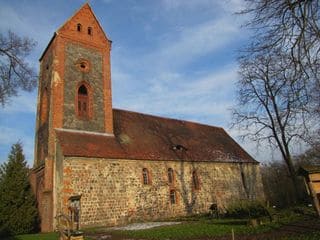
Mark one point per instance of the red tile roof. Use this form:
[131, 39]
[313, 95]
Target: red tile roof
[146, 137]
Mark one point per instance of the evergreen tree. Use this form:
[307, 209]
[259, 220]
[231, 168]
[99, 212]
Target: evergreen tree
[18, 212]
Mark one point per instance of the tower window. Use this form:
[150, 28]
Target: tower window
[83, 102]
[79, 27]
[170, 175]
[89, 30]
[173, 197]
[83, 65]
[146, 176]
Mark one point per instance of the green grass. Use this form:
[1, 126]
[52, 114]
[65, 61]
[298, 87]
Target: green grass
[196, 229]
[39, 236]
[204, 227]
[306, 236]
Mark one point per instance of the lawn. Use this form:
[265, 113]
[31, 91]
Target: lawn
[204, 227]
[213, 229]
[199, 229]
[195, 229]
[39, 236]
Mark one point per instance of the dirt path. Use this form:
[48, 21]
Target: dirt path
[292, 229]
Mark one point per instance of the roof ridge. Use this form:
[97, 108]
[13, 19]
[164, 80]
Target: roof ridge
[168, 118]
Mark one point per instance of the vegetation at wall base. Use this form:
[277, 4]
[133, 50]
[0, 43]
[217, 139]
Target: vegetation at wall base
[204, 227]
[248, 210]
[18, 212]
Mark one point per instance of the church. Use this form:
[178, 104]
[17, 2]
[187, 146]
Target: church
[122, 166]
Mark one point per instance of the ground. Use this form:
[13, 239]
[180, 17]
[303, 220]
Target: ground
[295, 223]
[308, 228]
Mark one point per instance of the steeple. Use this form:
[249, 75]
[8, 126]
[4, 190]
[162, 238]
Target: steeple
[75, 81]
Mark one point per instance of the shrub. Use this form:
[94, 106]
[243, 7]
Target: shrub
[247, 209]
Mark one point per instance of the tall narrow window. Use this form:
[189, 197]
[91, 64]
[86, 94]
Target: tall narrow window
[89, 30]
[195, 181]
[170, 176]
[79, 27]
[145, 175]
[83, 102]
[173, 197]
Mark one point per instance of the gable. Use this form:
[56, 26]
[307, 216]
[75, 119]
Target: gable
[146, 137]
[86, 18]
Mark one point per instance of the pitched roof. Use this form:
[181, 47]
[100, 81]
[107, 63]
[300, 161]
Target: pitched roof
[146, 137]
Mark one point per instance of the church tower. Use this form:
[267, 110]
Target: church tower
[74, 95]
[75, 82]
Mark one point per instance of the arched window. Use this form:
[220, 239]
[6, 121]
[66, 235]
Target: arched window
[83, 102]
[195, 181]
[146, 177]
[89, 30]
[79, 27]
[173, 197]
[170, 176]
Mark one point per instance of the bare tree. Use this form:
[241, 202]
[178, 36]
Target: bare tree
[271, 102]
[15, 73]
[294, 27]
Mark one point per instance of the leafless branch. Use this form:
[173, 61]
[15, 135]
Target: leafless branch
[15, 73]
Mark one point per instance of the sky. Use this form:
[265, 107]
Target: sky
[170, 58]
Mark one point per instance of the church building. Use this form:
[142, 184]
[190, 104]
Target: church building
[122, 166]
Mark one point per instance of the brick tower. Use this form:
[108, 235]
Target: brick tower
[74, 95]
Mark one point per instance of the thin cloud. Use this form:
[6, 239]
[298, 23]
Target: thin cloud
[193, 43]
[12, 135]
[200, 96]
[25, 102]
[227, 5]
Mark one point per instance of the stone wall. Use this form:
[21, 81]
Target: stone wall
[73, 78]
[113, 192]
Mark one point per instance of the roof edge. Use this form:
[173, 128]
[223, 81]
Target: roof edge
[47, 47]
[84, 132]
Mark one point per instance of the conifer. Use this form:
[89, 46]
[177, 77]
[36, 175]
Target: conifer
[18, 212]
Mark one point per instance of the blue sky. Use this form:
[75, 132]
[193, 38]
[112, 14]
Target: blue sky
[172, 58]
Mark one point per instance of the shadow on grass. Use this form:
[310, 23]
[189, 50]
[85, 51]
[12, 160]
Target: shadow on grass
[231, 222]
[8, 238]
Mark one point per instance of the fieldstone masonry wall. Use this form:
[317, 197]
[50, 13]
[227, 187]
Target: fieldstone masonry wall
[113, 192]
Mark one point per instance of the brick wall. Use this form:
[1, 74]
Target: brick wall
[113, 191]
